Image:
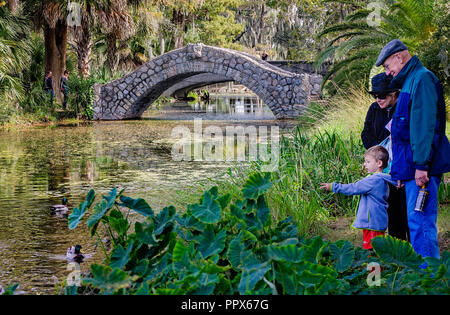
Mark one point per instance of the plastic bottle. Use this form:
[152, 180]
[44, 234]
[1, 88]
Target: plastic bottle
[421, 199]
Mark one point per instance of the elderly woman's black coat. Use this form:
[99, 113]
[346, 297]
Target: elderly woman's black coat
[374, 130]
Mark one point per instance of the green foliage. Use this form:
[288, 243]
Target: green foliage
[9, 290]
[356, 42]
[14, 51]
[81, 96]
[220, 246]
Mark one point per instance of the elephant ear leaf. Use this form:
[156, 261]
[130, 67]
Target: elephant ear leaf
[397, 252]
[208, 211]
[211, 243]
[120, 256]
[78, 213]
[250, 277]
[139, 205]
[289, 252]
[107, 279]
[343, 253]
[256, 185]
[101, 209]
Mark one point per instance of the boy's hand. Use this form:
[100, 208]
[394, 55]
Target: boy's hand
[326, 186]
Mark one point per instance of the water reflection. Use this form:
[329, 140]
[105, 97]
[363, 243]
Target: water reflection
[224, 107]
[39, 167]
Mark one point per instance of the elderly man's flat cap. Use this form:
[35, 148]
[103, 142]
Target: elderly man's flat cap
[391, 48]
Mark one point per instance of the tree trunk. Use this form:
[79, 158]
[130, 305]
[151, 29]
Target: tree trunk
[162, 46]
[13, 4]
[179, 21]
[261, 25]
[111, 52]
[83, 46]
[55, 52]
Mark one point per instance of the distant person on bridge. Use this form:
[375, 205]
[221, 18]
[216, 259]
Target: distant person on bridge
[264, 55]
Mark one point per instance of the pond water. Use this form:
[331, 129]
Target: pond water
[40, 166]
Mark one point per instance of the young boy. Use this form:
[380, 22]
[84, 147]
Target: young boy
[371, 215]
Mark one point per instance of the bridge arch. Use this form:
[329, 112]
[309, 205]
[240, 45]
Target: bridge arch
[284, 92]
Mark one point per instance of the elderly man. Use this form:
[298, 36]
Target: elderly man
[420, 149]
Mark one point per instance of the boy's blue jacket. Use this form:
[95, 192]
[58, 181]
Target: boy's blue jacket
[418, 127]
[372, 208]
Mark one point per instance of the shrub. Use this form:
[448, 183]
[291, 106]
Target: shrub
[220, 246]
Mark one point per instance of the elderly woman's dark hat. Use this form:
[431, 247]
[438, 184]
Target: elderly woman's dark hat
[381, 84]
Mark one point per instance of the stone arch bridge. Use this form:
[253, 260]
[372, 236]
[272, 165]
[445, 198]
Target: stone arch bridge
[285, 93]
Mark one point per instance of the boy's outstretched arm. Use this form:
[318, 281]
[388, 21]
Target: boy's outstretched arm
[362, 186]
[326, 186]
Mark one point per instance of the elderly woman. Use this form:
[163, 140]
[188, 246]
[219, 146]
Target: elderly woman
[376, 130]
[380, 112]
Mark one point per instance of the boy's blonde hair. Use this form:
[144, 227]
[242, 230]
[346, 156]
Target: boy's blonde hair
[379, 153]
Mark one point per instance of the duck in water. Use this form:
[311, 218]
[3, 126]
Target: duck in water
[60, 209]
[74, 254]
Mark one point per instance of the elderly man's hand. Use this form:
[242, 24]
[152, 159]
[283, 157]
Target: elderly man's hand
[421, 178]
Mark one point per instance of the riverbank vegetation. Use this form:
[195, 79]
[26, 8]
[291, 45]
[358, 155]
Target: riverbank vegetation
[225, 246]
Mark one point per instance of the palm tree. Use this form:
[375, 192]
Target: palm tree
[115, 21]
[355, 43]
[14, 50]
[51, 16]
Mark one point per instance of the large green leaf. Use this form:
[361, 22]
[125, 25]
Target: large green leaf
[163, 219]
[144, 289]
[10, 289]
[107, 279]
[434, 264]
[256, 185]
[315, 269]
[208, 211]
[189, 222]
[263, 211]
[237, 253]
[120, 256]
[313, 250]
[211, 267]
[394, 251]
[210, 243]
[180, 254]
[120, 225]
[78, 213]
[290, 253]
[343, 253]
[100, 210]
[139, 205]
[250, 277]
[145, 233]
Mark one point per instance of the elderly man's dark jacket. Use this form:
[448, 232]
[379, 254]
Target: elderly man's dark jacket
[418, 128]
